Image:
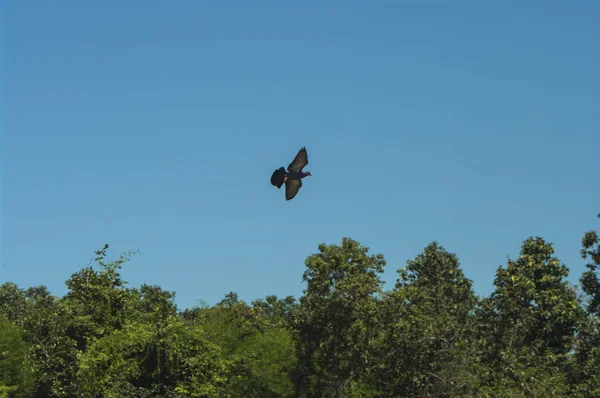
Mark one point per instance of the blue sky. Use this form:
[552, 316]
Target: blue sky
[155, 126]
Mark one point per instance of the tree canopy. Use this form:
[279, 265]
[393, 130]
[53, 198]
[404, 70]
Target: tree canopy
[535, 335]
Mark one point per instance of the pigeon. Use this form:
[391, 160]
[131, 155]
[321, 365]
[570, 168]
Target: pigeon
[292, 178]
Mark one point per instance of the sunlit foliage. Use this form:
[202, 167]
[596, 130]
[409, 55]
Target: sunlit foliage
[535, 335]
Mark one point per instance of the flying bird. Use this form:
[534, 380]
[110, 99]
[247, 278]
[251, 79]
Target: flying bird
[292, 178]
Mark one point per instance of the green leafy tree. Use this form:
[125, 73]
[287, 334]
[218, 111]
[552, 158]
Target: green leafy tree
[34, 311]
[230, 322]
[335, 319]
[428, 337]
[95, 305]
[13, 302]
[590, 280]
[263, 364]
[97, 299]
[260, 352]
[170, 360]
[425, 348]
[29, 309]
[587, 373]
[277, 311]
[530, 322]
[15, 380]
[150, 304]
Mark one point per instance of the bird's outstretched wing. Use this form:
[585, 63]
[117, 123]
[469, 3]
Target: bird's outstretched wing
[291, 188]
[300, 161]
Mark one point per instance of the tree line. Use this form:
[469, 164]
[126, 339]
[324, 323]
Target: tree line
[535, 335]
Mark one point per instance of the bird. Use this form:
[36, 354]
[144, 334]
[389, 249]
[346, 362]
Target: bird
[292, 178]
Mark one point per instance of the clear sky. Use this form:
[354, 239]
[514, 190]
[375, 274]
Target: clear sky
[155, 126]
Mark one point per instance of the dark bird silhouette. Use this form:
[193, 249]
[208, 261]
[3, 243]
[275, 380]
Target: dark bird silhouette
[292, 178]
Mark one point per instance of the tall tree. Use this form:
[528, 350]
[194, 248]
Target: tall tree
[14, 380]
[150, 304]
[13, 303]
[97, 299]
[530, 322]
[34, 311]
[29, 309]
[94, 306]
[590, 280]
[259, 351]
[277, 311]
[426, 321]
[335, 320]
[171, 359]
[587, 375]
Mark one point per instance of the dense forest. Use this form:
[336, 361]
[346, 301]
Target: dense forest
[536, 335]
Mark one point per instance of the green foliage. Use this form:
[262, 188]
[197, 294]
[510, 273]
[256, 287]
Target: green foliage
[533, 301]
[94, 306]
[171, 359]
[278, 312]
[335, 322]
[259, 351]
[430, 336]
[529, 323]
[34, 312]
[587, 360]
[590, 282]
[263, 365]
[424, 347]
[13, 350]
[96, 300]
[150, 304]
[29, 309]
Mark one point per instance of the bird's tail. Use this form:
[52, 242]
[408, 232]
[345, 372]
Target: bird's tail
[277, 178]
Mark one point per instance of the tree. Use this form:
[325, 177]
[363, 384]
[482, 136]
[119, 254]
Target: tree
[259, 351]
[590, 281]
[171, 360]
[97, 299]
[14, 380]
[530, 322]
[34, 312]
[334, 323]
[426, 322]
[587, 374]
[150, 304]
[277, 311]
[95, 305]
[262, 365]
[13, 302]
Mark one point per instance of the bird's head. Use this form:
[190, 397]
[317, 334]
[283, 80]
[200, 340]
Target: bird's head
[307, 174]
